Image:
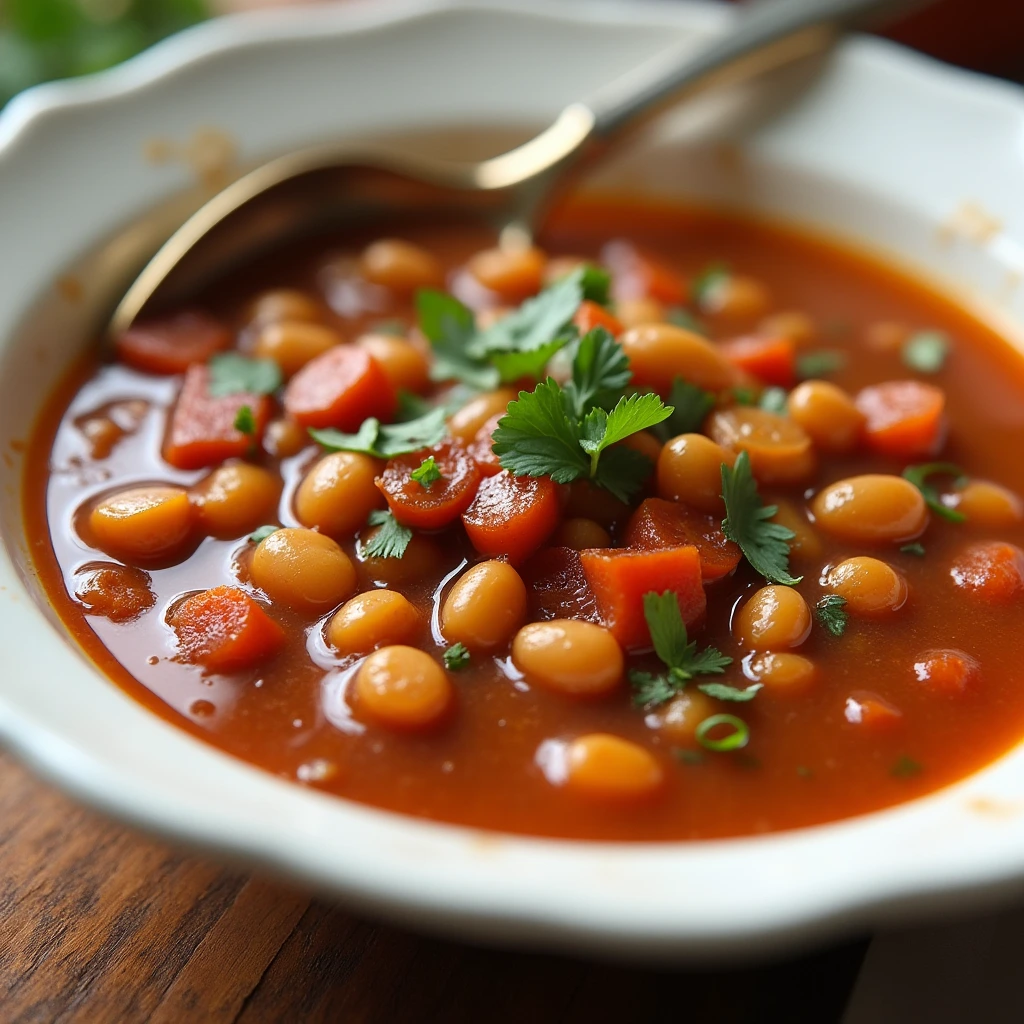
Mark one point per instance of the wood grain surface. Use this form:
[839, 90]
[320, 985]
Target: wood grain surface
[99, 923]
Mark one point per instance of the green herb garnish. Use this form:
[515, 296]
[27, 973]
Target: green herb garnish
[819, 364]
[600, 370]
[234, 374]
[723, 691]
[690, 407]
[913, 549]
[384, 441]
[426, 473]
[905, 767]
[263, 533]
[831, 612]
[450, 327]
[245, 421]
[918, 476]
[391, 540]
[747, 522]
[774, 400]
[456, 657]
[708, 281]
[676, 650]
[926, 351]
[738, 738]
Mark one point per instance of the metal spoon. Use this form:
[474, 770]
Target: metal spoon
[515, 188]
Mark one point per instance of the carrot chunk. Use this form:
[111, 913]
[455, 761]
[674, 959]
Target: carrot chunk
[172, 345]
[772, 360]
[620, 578]
[591, 315]
[870, 711]
[442, 502]
[557, 587]
[658, 524]
[947, 672]
[202, 431]
[481, 449]
[341, 388]
[904, 418]
[993, 570]
[225, 630]
[512, 515]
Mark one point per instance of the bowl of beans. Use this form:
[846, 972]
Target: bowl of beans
[653, 586]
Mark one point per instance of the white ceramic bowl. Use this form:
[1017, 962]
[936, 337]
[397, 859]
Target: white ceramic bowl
[884, 148]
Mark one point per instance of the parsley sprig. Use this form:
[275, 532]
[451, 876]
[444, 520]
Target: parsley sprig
[748, 522]
[426, 473]
[680, 655]
[831, 612]
[384, 441]
[918, 476]
[391, 540]
[231, 373]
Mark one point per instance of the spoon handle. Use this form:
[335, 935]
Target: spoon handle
[768, 33]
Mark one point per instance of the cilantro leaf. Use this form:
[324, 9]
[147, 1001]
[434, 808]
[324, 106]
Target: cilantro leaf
[708, 281]
[231, 373]
[650, 690]
[918, 476]
[512, 366]
[383, 441]
[456, 657]
[245, 421]
[926, 351]
[774, 400]
[819, 364]
[263, 533]
[601, 429]
[426, 473]
[622, 471]
[450, 327]
[596, 283]
[668, 631]
[391, 539]
[831, 612]
[913, 549]
[722, 691]
[747, 523]
[690, 407]
[600, 370]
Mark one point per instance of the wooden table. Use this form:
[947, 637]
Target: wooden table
[99, 923]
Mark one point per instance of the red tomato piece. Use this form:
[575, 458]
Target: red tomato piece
[341, 388]
[512, 515]
[658, 524]
[172, 345]
[993, 570]
[904, 418]
[225, 630]
[557, 586]
[620, 578]
[592, 314]
[433, 507]
[871, 712]
[947, 672]
[771, 360]
[480, 449]
[202, 431]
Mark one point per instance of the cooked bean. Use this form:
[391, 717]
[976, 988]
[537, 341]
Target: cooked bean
[559, 267]
[579, 659]
[780, 450]
[284, 438]
[405, 365]
[513, 272]
[988, 504]
[422, 560]
[658, 353]
[607, 767]
[806, 542]
[782, 673]
[485, 607]
[338, 494]
[639, 311]
[467, 421]
[773, 619]
[868, 585]
[375, 619]
[646, 444]
[871, 509]
[284, 304]
[737, 299]
[303, 569]
[402, 688]
[679, 718]
[236, 498]
[579, 533]
[827, 414]
[143, 524]
[293, 343]
[797, 327]
[400, 266]
[690, 471]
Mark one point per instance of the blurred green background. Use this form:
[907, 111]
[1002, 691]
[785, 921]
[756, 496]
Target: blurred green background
[44, 39]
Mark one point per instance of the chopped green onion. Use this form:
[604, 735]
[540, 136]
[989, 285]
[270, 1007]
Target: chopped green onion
[735, 740]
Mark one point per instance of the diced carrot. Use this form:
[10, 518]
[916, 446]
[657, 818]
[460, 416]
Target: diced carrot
[947, 672]
[512, 515]
[871, 712]
[442, 502]
[557, 587]
[481, 449]
[772, 360]
[658, 524]
[591, 315]
[202, 431]
[620, 578]
[904, 418]
[341, 388]
[993, 570]
[225, 630]
[172, 345]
